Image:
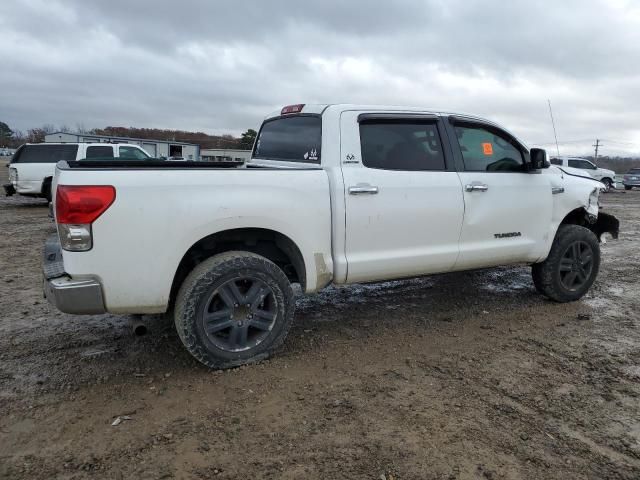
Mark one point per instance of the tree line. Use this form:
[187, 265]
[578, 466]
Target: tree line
[619, 165]
[14, 138]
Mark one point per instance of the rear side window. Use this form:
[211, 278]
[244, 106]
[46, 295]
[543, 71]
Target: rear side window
[45, 153]
[100, 151]
[401, 145]
[291, 139]
[556, 161]
[484, 150]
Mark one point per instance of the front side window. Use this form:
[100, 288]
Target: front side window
[101, 151]
[291, 139]
[132, 153]
[485, 150]
[401, 145]
[556, 161]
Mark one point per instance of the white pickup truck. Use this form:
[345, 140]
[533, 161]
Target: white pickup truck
[333, 193]
[607, 177]
[33, 165]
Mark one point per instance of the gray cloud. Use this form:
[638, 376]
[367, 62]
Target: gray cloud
[221, 66]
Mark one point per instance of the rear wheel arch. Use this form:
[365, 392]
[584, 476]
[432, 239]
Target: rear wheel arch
[46, 188]
[270, 244]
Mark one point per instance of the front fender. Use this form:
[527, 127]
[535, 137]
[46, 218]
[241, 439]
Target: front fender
[576, 201]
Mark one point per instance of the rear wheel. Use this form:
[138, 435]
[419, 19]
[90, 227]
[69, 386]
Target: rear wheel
[571, 267]
[234, 308]
[46, 189]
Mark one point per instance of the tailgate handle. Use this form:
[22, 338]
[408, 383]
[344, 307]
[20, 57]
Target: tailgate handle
[363, 190]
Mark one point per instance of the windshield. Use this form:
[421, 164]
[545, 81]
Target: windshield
[290, 139]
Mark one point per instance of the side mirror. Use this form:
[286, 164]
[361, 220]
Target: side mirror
[538, 159]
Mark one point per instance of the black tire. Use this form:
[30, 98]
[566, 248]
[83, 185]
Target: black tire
[571, 267]
[628, 187]
[249, 333]
[46, 189]
[607, 183]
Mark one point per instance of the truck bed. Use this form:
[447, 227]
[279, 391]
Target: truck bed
[162, 209]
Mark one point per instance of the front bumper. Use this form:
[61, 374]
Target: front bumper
[9, 189]
[78, 296]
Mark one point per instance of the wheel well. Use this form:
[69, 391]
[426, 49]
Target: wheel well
[272, 245]
[576, 217]
[45, 182]
[604, 223]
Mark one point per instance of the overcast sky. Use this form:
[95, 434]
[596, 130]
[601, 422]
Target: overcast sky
[220, 66]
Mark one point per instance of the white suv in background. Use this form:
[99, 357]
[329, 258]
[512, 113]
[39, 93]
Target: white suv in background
[605, 176]
[33, 165]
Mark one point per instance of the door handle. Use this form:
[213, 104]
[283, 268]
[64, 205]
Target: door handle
[476, 187]
[363, 190]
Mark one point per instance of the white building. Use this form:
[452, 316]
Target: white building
[155, 148]
[225, 155]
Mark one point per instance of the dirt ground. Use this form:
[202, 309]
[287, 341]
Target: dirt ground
[459, 376]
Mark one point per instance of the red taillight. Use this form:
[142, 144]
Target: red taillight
[292, 109]
[83, 204]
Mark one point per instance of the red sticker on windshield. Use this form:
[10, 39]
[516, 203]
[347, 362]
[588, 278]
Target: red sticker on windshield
[487, 148]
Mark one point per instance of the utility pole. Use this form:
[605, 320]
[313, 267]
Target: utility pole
[597, 145]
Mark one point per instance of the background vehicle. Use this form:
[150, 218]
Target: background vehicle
[631, 179]
[32, 167]
[607, 177]
[333, 193]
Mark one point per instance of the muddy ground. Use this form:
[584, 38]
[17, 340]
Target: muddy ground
[467, 375]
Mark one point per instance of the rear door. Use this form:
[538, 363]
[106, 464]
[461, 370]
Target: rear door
[403, 197]
[508, 210]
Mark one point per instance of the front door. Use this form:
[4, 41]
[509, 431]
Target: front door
[508, 210]
[403, 197]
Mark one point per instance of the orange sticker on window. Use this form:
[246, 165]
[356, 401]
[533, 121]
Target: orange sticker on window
[487, 148]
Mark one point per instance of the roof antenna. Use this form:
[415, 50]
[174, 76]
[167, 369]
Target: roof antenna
[554, 127]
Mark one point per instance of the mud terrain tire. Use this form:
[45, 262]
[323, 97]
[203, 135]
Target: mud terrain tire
[234, 308]
[571, 267]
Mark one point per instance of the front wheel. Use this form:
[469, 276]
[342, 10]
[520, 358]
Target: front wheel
[607, 184]
[628, 187]
[234, 308]
[571, 267]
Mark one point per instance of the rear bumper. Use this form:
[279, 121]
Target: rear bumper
[69, 295]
